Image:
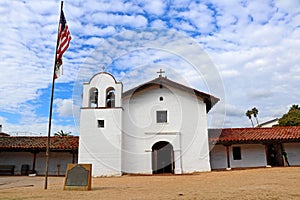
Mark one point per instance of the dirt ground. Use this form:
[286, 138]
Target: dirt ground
[266, 183]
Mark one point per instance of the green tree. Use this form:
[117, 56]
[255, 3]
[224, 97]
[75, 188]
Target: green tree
[295, 107]
[248, 114]
[62, 133]
[255, 113]
[292, 118]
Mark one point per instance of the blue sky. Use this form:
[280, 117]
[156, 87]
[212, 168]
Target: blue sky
[245, 52]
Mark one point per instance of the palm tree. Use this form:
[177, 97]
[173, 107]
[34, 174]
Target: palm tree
[62, 133]
[295, 107]
[255, 112]
[248, 114]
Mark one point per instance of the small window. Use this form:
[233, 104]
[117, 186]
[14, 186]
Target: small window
[161, 98]
[101, 123]
[161, 116]
[236, 151]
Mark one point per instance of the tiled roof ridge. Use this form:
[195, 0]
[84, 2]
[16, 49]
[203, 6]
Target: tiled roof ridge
[264, 134]
[279, 127]
[39, 142]
[31, 136]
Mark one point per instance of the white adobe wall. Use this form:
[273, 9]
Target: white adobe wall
[195, 148]
[293, 152]
[186, 130]
[270, 123]
[102, 81]
[253, 155]
[218, 157]
[17, 159]
[20, 158]
[101, 147]
[61, 158]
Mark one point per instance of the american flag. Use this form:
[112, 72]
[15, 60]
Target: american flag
[64, 38]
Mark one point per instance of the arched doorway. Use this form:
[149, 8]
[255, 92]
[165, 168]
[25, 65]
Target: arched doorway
[162, 158]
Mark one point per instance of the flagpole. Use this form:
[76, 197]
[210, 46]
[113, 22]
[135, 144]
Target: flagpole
[51, 103]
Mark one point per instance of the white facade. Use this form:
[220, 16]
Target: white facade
[218, 157]
[58, 161]
[185, 130]
[101, 146]
[293, 152]
[132, 137]
[270, 123]
[252, 155]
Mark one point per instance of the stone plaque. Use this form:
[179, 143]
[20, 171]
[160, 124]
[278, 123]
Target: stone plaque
[78, 177]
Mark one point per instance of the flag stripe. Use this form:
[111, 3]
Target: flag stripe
[64, 38]
[64, 41]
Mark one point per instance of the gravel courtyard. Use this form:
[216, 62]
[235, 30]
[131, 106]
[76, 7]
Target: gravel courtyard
[264, 183]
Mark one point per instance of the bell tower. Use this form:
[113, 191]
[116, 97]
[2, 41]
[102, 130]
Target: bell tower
[101, 125]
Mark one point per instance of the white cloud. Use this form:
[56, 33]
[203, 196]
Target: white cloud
[64, 107]
[94, 41]
[234, 110]
[288, 6]
[260, 94]
[254, 46]
[92, 30]
[158, 24]
[229, 73]
[200, 16]
[134, 21]
[156, 7]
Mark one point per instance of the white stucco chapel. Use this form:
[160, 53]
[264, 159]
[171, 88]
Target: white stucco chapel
[157, 127]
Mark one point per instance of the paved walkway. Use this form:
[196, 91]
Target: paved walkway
[7, 182]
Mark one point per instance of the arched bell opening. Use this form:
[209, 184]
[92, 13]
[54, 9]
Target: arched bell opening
[93, 100]
[110, 98]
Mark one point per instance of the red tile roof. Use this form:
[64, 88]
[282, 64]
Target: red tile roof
[216, 136]
[68, 143]
[3, 134]
[254, 135]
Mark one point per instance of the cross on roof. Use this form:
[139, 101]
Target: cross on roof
[161, 72]
[103, 68]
